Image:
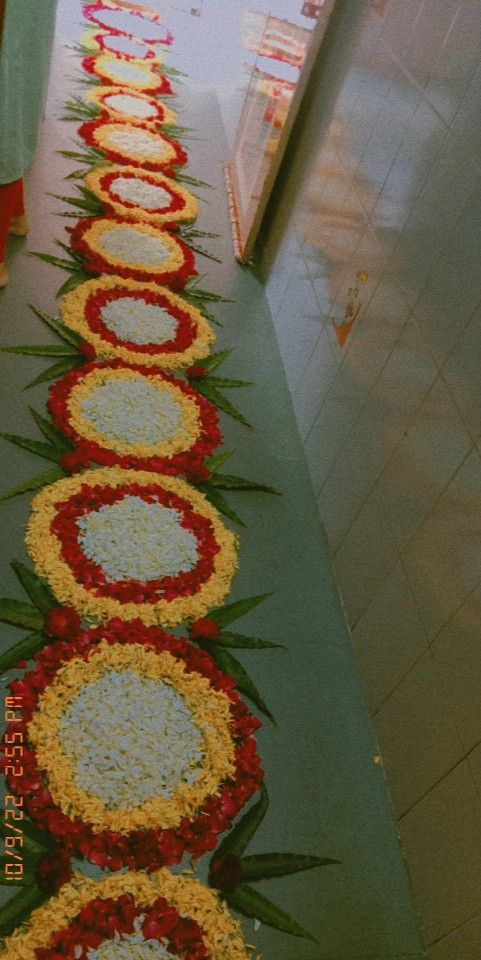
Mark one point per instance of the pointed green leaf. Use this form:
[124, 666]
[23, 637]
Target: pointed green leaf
[213, 463]
[68, 265]
[251, 903]
[40, 839]
[19, 907]
[227, 481]
[20, 614]
[72, 282]
[34, 483]
[44, 450]
[215, 359]
[240, 836]
[38, 591]
[47, 350]
[50, 432]
[228, 384]
[227, 639]
[23, 650]
[192, 181]
[233, 611]
[56, 370]
[201, 251]
[217, 500]
[263, 866]
[59, 328]
[211, 393]
[228, 664]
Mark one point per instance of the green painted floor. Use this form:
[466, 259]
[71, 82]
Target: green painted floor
[328, 796]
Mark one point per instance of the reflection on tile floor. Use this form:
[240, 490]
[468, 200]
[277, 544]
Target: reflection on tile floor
[377, 304]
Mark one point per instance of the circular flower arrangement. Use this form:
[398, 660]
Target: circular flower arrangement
[136, 144]
[133, 916]
[119, 45]
[128, 543]
[130, 193]
[140, 323]
[130, 105]
[137, 250]
[127, 415]
[138, 749]
[137, 25]
[132, 73]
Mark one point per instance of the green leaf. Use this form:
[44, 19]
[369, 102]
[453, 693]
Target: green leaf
[34, 483]
[56, 370]
[201, 251]
[76, 174]
[227, 481]
[20, 614]
[227, 639]
[228, 664]
[217, 500]
[44, 450]
[59, 328]
[50, 432]
[240, 836]
[41, 839]
[68, 265]
[228, 384]
[213, 463]
[72, 282]
[250, 903]
[215, 359]
[19, 907]
[192, 181]
[236, 610]
[47, 350]
[24, 650]
[209, 391]
[38, 591]
[263, 866]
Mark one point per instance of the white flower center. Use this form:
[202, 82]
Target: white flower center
[130, 105]
[132, 246]
[126, 72]
[130, 738]
[124, 45]
[130, 947]
[139, 322]
[135, 540]
[130, 23]
[134, 190]
[138, 142]
[134, 411]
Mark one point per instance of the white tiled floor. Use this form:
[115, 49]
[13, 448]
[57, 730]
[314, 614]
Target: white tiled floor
[391, 421]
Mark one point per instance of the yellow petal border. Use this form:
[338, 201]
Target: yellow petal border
[72, 311]
[210, 712]
[222, 934]
[44, 549]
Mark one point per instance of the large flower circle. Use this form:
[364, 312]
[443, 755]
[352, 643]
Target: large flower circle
[136, 144]
[133, 194]
[130, 105]
[138, 749]
[168, 916]
[128, 543]
[137, 250]
[138, 25]
[131, 73]
[140, 323]
[127, 415]
[118, 45]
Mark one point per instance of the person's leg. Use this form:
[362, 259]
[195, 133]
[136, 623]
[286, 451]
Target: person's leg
[8, 200]
[18, 224]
